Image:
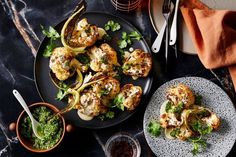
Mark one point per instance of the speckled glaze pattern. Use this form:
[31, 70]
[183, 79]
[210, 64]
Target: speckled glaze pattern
[219, 142]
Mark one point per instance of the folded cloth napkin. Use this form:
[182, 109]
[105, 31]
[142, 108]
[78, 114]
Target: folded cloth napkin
[213, 33]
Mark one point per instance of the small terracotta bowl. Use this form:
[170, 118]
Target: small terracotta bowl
[26, 143]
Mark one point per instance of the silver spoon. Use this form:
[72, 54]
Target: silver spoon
[35, 124]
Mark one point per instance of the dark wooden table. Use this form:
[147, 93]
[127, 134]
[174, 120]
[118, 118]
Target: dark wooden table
[20, 36]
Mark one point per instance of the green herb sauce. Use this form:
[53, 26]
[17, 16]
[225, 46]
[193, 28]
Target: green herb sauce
[51, 129]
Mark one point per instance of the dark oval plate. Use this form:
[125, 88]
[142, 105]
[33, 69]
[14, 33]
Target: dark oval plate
[47, 90]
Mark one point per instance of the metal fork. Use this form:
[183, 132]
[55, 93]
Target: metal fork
[166, 11]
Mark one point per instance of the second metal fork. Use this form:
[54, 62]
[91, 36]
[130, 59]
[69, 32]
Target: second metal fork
[166, 11]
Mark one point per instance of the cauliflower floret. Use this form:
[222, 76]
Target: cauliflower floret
[107, 89]
[181, 93]
[90, 104]
[60, 63]
[137, 64]
[169, 120]
[130, 96]
[103, 58]
[84, 34]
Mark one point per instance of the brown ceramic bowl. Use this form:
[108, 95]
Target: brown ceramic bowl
[26, 143]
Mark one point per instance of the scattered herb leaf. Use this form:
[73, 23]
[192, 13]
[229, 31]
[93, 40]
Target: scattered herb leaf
[62, 92]
[198, 99]
[53, 35]
[104, 92]
[108, 115]
[106, 37]
[175, 132]
[197, 144]
[202, 128]
[126, 66]
[113, 26]
[118, 102]
[126, 39]
[83, 58]
[170, 108]
[154, 128]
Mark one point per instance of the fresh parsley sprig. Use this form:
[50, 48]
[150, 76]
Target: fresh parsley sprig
[108, 115]
[62, 91]
[126, 39]
[154, 128]
[53, 35]
[112, 25]
[118, 102]
[198, 143]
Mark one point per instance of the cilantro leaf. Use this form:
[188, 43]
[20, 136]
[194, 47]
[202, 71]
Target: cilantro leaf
[62, 91]
[110, 114]
[154, 128]
[202, 128]
[175, 132]
[126, 39]
[122, 44]
[170, 108]
[135, 35]
[104, 92]
[197, 144]
[126, 66]
[53, 35]
[106, 37]
[50, 33]
[118, 102]
[83, 58]
[198, 99]
[48, 50]
[113, 26]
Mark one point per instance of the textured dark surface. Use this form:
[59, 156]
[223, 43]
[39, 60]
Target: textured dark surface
[20, 36]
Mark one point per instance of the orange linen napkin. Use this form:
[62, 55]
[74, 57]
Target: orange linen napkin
[213, 33]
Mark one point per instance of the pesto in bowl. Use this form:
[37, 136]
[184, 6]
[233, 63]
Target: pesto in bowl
[51, 128]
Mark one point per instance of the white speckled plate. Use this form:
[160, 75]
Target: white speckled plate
[220, 142]
[185, 43]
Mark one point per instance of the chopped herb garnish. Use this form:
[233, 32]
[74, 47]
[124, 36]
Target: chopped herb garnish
[170, 108]
[126, 39]
[83, 58]
[104, 60]
[122, 44]
[126, 66]
[53, 35]
[118, 102]
[104, 92]
[201, 128]
[135, 35]
[62, 91]
[113, 26]
[198, 99]
[110, 114]
[179, 108]
[175, 132]
[106, 37]
[154, 128]
[197, 144]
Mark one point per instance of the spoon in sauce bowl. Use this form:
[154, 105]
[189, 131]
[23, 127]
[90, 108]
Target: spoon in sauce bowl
[35, 124]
